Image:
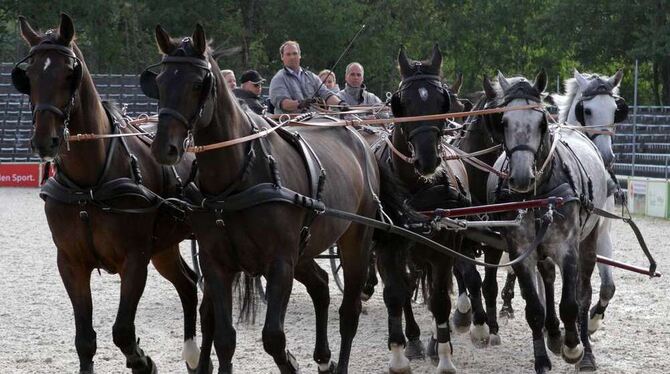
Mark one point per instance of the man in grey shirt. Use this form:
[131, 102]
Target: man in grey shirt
[354, 92]
[292, 89]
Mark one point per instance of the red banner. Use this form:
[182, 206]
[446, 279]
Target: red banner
[20, 175]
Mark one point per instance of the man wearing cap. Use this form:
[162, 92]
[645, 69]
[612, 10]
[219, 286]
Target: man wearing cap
[249, 93]
[293, 89]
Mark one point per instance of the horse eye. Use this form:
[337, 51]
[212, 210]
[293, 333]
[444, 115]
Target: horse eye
[504, 123]
[197, 86]
[587, 111]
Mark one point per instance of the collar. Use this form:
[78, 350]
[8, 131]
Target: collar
[295, 73]
[354, 91]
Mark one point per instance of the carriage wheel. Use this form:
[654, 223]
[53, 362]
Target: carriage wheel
[336, 266]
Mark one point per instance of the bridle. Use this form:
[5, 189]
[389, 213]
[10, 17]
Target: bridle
[597, 87]
[150, 87]
[21, 82]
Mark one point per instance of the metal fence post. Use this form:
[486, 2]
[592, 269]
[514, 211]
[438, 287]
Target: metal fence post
[632, 171]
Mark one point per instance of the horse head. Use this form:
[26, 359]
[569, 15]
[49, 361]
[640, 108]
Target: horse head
[422, 92]
[523, 133]
[51, 75]
[185, 87]
[591, 100]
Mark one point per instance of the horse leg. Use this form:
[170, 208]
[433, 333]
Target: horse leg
[414, 349]
[462, 318]
[572, 349]
[77, 282]
[207, 327]
[547, 270]
[587, 261]
[392, 262]
[133, 279]
[607, 287]
[507, 293]
[279, 284]
[479, 330]
[372, 281]
[490, 293]
[355, 247]
[315, 280]
[440, 307]
[171, 266]
[534, 313]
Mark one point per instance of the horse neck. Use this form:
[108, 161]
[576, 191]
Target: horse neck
[221, 168]
[403, 170]
[477, 138]
[85, 161]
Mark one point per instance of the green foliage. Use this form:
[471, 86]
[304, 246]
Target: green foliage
[477, 37]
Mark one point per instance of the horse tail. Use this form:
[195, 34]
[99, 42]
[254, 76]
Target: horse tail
[247, 296]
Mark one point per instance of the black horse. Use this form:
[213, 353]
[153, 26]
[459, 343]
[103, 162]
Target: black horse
[415, 158]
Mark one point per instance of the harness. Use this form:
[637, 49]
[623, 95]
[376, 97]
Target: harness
[102, 195]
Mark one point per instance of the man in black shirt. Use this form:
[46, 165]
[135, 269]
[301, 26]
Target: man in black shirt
[249, 93]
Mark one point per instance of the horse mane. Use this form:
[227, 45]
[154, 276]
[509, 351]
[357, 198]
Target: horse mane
[564, 102]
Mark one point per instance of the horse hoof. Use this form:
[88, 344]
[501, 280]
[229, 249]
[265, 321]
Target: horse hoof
[446, 371]
[332, 369]
[479, 335]
[189, 370]
[542, 364]
[406, 370]
[414, 350]
[462, 321]
[88, 370]
[595, 322]
[555, 343]
[495, 340]
[572, 355]
[588, 363]
[365, 297]
[506, 312]
[291, 366]
[431, 350]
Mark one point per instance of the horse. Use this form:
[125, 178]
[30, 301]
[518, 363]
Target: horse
[415, 158]
[561, 163]
[592, 101]
[276, 184]
[105, 206]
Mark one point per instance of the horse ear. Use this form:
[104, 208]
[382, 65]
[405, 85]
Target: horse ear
[504, 84]
[456, 87]
[540, 81]
[488, 88]
[581, 81]
[199, 39]
[403, 61]
[163, 40]
[27, 32]
[616, 78]
[436, 58]
[66, 29]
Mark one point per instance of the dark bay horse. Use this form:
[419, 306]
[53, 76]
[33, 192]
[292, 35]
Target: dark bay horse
[102, 204]
[430, 183]
[258, 232]
[541, 161]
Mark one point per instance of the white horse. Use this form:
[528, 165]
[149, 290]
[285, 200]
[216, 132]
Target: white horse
[541, 162]
[591, 101]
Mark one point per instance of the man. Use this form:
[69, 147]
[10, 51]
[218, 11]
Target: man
[249, 94]
[229, 77]
[354, 92]
[293, 89]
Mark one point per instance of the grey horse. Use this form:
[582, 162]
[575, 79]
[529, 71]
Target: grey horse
[540, 162]
[591, 101]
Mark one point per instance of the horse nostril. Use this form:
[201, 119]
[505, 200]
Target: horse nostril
[173, 151]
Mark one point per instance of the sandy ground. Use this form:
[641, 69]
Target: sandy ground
[37, 325]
